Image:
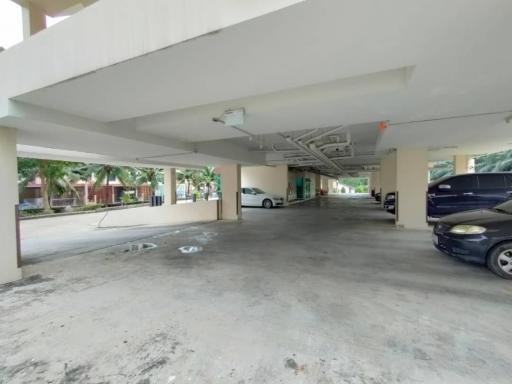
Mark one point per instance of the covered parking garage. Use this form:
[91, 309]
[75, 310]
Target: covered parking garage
[328, 291]
[332, 290]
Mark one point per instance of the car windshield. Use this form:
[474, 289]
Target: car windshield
[505, 207]
[258, 191]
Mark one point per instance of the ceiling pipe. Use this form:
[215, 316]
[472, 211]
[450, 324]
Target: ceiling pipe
[325, 133]
[307, 134]
[321, 156]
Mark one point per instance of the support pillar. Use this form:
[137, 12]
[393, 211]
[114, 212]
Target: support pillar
[230, 181]
[34, 20]
[412, 185]
[9, 270]
[463, 164]
[388, 172]
[170, 186]
[374, 182]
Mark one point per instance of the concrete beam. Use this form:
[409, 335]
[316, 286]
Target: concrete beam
[34, 19]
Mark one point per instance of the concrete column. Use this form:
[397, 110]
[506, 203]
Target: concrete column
[412, 185]
[388, 174]
[374, 182]
[317, 184]
[9, 270]
[170, 186]
[34, 20]
[230, 180]
[463, 164]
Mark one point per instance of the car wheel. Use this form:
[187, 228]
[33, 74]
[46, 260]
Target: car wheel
[267, 203]
[499, 260]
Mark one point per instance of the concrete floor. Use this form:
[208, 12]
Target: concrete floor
[44, 239]
[323, 292]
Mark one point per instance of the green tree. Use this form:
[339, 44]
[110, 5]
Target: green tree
[57, 177]
[494, 162]
[189, 177]
[105, 173]
[441, 169]
[152, 176]
[208, 178]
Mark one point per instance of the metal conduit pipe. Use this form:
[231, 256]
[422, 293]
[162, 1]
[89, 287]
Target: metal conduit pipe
[320, 155]
[328, 132]
[342, 144]
[313, 152]
[307, 134]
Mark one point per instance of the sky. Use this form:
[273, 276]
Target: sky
[11, 25]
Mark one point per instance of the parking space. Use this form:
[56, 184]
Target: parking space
[328, 291]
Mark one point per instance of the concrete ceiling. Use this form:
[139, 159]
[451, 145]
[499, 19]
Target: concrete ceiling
[438, 71]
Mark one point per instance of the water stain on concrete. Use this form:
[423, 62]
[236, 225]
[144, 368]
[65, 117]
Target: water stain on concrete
[78, 374]
[35, 279]
[25, 368]
[290, 363]
[153, 364]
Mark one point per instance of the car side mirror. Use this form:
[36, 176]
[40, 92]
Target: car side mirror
[445, 187]
[254, 193]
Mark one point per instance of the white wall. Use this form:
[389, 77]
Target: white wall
[270, 179]
[163, 215]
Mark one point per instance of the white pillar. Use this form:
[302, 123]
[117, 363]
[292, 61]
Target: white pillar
[411, 185]
[34, 20]
[463, 164]
[86, 192]
[9, 270]
[170, 186]
[388, 174]
[374, 182]
[230, 181]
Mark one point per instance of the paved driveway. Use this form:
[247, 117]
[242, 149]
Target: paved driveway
[325, 292]
[62, 236]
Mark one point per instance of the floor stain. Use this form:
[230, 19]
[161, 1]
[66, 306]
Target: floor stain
[78, 374]
[35, 279]
[153, 364]
[292, 364]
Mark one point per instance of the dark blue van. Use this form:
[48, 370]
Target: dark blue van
[459, 193]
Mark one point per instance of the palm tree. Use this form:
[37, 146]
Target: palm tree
[103, 174]
[208, 178]
[152, 176]
[187, 176]
[494, 162]
[57, 177]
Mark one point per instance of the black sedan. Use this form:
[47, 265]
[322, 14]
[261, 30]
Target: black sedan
[482, 236]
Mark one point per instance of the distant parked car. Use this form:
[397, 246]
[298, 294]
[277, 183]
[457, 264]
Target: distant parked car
[377, 196]
[26, 206]
[255, 197]
[480, 236]
[389, 202]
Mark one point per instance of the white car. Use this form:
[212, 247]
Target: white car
[255, 197]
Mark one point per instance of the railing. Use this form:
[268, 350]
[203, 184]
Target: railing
[64, 202]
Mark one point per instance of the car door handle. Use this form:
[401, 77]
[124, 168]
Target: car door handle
[468, 193]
